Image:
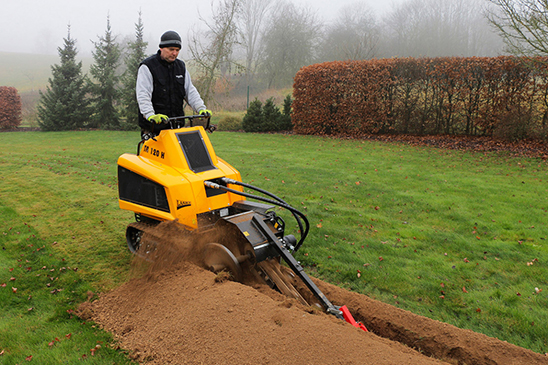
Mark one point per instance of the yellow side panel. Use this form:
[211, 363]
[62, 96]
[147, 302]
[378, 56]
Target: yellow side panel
[178, 190]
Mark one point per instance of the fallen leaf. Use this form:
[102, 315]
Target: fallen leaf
[464, 290]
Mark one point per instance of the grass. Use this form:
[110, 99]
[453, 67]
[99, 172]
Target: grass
[455, 236]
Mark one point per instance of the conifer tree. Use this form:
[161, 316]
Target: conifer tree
[286, 124]
[271, 116]
[105, 92]
[253, 119]
[136, 54]
[64, 106]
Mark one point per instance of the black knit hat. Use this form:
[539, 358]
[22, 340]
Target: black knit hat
[170, 39]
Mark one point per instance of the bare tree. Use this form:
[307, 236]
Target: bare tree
[290, 42]
[434, 28]
[523, 24]
[212, 50]
[354, 35]
[251, 21]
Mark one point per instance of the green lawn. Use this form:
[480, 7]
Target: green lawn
[455, 236]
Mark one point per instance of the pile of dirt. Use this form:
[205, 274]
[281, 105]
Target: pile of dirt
[180, 313]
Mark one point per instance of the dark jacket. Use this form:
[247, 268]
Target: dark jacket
[168, 92]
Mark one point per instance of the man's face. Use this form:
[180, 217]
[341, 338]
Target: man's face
[169, 54]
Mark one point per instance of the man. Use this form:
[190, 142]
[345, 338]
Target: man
[163, 85]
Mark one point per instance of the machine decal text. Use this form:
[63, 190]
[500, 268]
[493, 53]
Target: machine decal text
[182, 204]
[154, 151]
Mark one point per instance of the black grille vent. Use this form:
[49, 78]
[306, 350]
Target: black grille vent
[137, 189]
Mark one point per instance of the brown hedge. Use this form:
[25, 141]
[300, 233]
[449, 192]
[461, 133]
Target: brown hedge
[10, 108]
[501, 96]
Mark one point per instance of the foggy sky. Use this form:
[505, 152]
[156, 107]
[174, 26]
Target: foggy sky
[39, 26]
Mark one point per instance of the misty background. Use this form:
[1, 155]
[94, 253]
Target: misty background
[265, 42]
[399, 28]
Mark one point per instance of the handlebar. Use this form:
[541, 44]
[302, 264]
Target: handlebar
[179, 122]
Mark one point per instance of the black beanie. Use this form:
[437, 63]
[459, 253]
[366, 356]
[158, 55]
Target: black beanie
[170, 39]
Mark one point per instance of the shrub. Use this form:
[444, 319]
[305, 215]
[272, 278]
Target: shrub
[285, 122]
[504, 97]
[229, 123]
[254, 120]
[10, 108]
[268, 118]
[272, 116]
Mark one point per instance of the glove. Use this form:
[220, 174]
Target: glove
[158, 118]
[205, 113]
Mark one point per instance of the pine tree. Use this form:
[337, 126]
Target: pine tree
[105, 93]
[136, 54]
[286, 124]
[253, 119]
[64, 106]
[272, 116]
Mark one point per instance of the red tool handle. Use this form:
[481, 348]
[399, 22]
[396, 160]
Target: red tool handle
[348, 317]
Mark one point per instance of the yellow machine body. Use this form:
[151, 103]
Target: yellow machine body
[165, 181]
[176, 175]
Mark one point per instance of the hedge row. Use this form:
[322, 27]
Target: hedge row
[10, 108]
[503, 97]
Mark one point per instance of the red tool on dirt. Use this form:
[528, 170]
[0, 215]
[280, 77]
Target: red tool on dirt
[176, 175]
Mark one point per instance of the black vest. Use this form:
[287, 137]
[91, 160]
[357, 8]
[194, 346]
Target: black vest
[168, 92]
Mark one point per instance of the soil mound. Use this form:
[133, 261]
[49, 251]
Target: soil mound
[180, 313]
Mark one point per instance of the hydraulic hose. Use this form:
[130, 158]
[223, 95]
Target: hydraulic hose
[268, 193]
[276, 201]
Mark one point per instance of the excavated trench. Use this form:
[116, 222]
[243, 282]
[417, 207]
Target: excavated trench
[175, 312]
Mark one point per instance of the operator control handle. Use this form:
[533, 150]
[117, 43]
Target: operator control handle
[179, 122]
